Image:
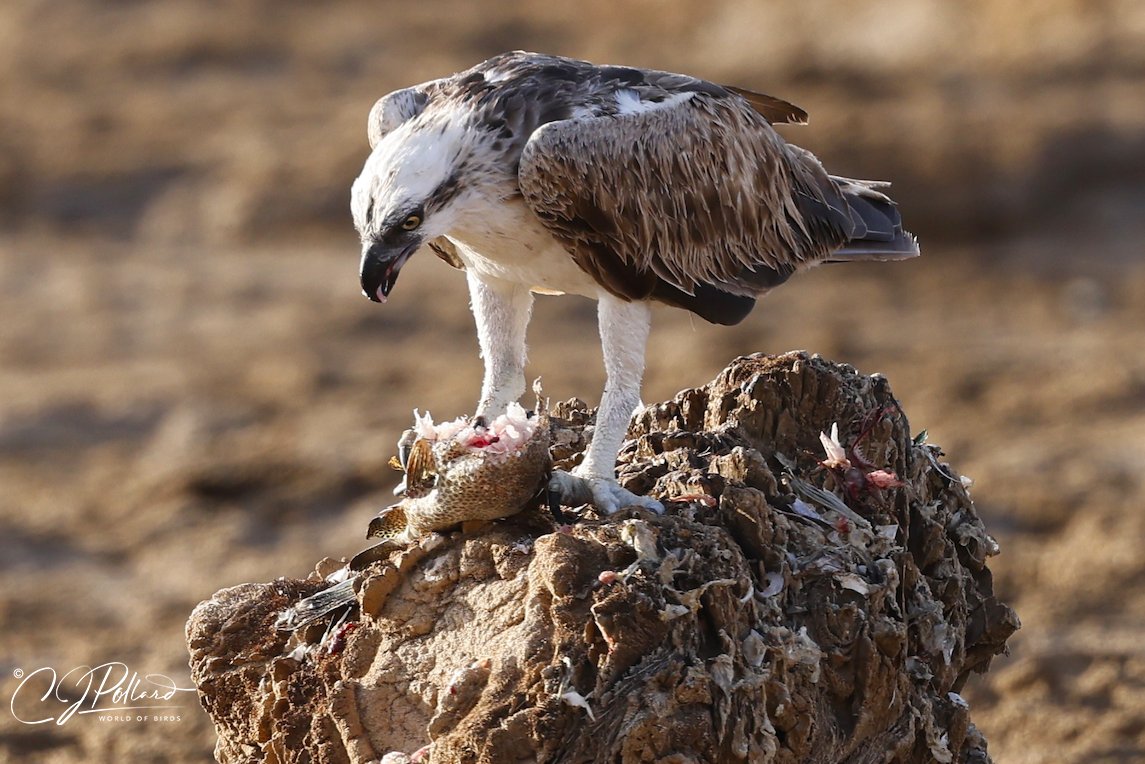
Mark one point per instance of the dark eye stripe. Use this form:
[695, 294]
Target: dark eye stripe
[446, 190]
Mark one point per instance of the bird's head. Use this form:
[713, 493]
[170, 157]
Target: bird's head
[410, 191]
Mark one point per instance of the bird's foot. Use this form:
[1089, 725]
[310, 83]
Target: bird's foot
[604, 493]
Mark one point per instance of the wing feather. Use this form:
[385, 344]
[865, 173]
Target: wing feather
[774, 110]
[696, 190]
[444, 248]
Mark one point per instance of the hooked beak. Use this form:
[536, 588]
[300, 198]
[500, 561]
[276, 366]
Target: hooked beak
[380, 266]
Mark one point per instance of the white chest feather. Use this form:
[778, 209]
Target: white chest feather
[508, 242]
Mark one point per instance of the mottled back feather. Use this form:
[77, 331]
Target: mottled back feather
[697, 191]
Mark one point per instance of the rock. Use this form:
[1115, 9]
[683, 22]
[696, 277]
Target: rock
[777, 612]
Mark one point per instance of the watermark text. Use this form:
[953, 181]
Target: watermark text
[111, 690]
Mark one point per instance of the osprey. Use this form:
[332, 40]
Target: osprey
[542, 174]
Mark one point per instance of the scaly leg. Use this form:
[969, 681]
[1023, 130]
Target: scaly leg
[623, 334]
[501, 310]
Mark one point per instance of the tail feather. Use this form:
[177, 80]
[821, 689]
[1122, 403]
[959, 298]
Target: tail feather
[903, 247]
[875, 231]
[856, 214]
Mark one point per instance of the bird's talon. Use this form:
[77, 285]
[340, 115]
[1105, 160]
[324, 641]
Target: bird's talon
[553, 499]
[605, 494]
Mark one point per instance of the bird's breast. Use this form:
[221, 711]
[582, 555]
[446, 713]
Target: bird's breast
[509, 243]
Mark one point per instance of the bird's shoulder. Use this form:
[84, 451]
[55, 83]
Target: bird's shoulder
[551, 88]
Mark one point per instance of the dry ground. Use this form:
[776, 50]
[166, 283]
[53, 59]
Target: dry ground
[194, 394]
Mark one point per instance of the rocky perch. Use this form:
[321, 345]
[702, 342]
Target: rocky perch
[802, 600]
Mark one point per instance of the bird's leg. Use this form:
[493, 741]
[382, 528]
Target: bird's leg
[623, 334]
[501, 310]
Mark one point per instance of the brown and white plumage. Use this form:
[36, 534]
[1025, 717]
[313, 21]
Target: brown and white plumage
[543, 174]
[457, 472]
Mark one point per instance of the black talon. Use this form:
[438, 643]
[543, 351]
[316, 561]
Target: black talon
[479, 421]
[405, 446]
[553, 498]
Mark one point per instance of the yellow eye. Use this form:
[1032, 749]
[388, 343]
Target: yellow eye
[411, 222]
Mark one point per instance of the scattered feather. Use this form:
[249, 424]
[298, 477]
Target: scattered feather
[299, 653]
[340, 575]
[574, 698]
[828, 500]
[836, 454]
[804, 509]
[775, 584]
[754, 649]
[854, 582]
[568, 693]
[638, 535]
[957, 700]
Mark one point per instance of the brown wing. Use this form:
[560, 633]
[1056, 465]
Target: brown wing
[420, 469]
[697, 194]
[447, 251]
[774, 110]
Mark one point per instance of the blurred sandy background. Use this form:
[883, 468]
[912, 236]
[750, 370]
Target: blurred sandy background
[194, 394]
